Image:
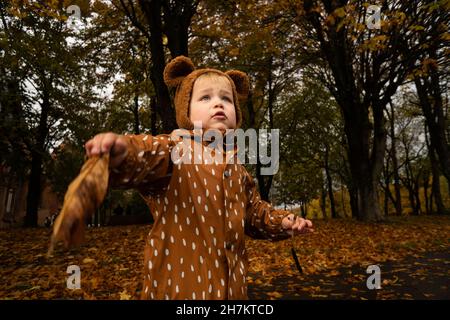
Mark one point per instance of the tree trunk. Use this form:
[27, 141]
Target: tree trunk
[435, 184]
[303, 210]
[323, 201]
[416, 194]
[430, 97]
[330, 184]
[136, 115]
[96, 218]
[398, 198]
[153, 116]
[408, 182]
[412, 200]
[386, 188]
[349, 185]
[265, 182]
[344, 210]
[448, 188]
[365, 169]
[386, 197]
[353, 194]
[426, 184]
[37, 154]
[368, 203]
[177, 19]
[251, 110]
[152, 10]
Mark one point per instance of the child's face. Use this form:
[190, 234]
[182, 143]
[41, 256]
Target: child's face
[212, 103]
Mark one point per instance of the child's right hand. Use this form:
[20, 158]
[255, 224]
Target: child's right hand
[108, 142]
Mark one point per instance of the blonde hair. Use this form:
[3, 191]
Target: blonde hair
[213, 76]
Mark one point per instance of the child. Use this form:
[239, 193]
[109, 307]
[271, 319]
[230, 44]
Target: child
[195, 249]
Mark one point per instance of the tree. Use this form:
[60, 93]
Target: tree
[364, 68]
[309, 155]
[49, 87]
[435, 184]
[393, 156]
[262, 45]
[162, 21]
[431, 80]
[14, 131]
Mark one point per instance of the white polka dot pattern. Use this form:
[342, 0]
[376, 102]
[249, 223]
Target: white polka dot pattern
[195, 249]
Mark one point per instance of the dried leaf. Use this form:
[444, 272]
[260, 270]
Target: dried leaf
[124, 295]
[275, 294]
[84, 195]
[338, 246]
[88, 260]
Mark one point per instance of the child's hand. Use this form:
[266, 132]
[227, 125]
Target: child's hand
[297, 225]
[108, 142]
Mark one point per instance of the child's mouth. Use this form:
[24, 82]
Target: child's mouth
[220, 115]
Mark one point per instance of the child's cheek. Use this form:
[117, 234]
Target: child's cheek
[233, 121]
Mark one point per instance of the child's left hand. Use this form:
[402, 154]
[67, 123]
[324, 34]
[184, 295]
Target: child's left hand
[297, 225]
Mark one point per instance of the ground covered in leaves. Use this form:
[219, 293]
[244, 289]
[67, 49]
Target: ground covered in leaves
[412, 253]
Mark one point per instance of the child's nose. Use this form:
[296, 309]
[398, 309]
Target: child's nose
[218, 103]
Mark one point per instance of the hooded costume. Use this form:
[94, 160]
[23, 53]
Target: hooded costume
[196, 247]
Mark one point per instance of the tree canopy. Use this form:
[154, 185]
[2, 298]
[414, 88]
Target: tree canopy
[358, 91]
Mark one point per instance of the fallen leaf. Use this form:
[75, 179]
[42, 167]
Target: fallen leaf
[84, 195]
[88, 260]
[124, 295]
[275, 294]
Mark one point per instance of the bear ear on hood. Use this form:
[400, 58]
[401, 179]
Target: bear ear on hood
[241, 82]
[176, 70]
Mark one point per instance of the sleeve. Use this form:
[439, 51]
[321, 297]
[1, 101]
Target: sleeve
[148, 160]
[262, 220]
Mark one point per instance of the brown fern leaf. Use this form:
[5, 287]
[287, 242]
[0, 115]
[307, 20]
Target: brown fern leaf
[84, 195]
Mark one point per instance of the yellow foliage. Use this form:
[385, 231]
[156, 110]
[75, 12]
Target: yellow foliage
[234, 52]
[124, 295]
[340, 12]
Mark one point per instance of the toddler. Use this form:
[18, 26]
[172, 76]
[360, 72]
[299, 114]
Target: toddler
[201, 207]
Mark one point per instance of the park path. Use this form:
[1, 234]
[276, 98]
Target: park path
[424, 277]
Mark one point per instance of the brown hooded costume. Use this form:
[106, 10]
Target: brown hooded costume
[196, 247]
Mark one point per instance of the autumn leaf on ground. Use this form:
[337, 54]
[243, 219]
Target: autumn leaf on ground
[412, 252]
[124, 295]
[275, 295]
[83, 197]
[88, 260]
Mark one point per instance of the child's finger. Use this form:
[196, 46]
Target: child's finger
[288, 222]
[298, 221]
[96, 144]
[301, 224]
[119, 147]
[88, 147]
[108, 142]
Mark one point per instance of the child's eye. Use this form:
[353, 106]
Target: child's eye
[226, 98]
[204, 98]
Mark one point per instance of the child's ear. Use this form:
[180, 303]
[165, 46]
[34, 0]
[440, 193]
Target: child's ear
[176, 70]
[241, 82]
